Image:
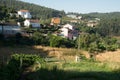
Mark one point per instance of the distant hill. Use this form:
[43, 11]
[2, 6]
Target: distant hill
[99, 15]
[105, 15]
[36, 10]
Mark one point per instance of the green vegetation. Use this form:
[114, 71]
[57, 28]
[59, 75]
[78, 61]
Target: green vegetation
[109, 27]
[4, 13]
[100, 38]
[98, 15]
[33, 67]
[97, 43]
[16, 66]
[103, 15]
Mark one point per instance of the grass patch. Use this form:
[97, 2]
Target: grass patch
[86, 66]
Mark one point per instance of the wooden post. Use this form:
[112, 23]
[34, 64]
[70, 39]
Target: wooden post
[76, 58]
[21, 62]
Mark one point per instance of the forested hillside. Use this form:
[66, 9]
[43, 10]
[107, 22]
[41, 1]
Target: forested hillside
[36, 10]
[109, 15]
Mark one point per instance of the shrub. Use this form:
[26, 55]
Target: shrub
[17, 64]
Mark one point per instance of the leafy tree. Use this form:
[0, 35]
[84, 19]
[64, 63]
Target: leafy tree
[40, 39]
[109, 27]
[4, 15]
[55, 41]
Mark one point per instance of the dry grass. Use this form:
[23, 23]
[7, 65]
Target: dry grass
[7, 51]
[60, 53]
[109, 56]
[63, 53]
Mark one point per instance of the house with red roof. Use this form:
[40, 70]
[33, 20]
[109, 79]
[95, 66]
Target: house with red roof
[32, 23]
[25, 14]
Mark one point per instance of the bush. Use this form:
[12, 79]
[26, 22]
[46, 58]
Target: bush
[24, 60]
[17, 64]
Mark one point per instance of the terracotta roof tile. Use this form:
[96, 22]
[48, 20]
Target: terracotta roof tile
[22, 10]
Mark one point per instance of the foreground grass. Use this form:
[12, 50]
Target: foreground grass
[87, 66]
[64, 70]
[85, 70]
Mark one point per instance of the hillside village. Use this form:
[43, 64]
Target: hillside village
[67, 30]
[71, 30]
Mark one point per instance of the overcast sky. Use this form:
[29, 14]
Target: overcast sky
[80, 6]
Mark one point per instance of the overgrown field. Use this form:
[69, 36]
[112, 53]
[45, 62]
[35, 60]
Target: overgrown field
[57, 64]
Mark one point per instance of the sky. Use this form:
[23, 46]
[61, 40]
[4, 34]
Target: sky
[80, 6]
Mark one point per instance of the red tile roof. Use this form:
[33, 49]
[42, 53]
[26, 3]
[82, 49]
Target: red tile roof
[55, 20]
[24, 10]
[34, 21]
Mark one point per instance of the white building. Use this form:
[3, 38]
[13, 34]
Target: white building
[67, 31]
[10, 29]
[32, 23]
[68, 26]
[74, 16]
[92, 23]
[24, 14]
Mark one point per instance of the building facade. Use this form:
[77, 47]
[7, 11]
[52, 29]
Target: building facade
[24, 14]
[10, 29]
[32, 23]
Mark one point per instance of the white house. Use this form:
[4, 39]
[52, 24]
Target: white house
[32, 23]
[10, 29]
[24, 14]
[74, 16]
[69, 26]
[92, 23]
[67, 31]
[71, 16]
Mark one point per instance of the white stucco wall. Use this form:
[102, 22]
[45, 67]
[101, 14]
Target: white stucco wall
[24, 14]
[64, 31]
[12, 29]
[68, 26]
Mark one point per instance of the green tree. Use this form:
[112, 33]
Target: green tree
[40, 39]
[4, 15]
[55, 41]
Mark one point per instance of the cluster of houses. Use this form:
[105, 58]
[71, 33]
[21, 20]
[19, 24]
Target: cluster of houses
[13, 28]
[66, 31]
[78, 19]
[29, 22]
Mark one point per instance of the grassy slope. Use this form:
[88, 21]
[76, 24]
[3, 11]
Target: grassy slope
[58, 52]
[83, 70]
